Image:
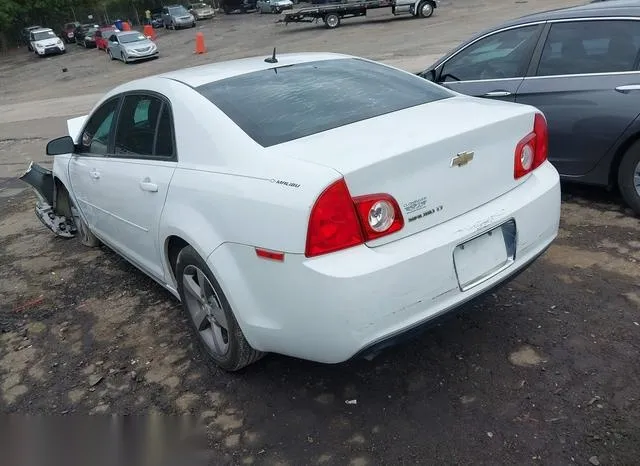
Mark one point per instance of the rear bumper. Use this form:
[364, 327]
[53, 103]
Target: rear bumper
[332, 307]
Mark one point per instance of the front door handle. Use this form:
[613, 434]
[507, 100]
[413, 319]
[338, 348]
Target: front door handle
[95, 174]
[147, 185]
[628, 87]
[497, 94]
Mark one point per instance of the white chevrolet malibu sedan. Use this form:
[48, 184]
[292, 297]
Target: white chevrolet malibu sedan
[314, 205]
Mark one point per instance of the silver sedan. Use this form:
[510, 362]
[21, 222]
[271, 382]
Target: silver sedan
[131, 46]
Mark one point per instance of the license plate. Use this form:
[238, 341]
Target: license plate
[484, 256]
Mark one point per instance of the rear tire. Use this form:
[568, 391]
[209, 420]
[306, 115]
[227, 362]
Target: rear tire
[332, 21]
[629, 177]
[233, 351]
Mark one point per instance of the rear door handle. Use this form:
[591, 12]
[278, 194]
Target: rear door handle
[147, 185]
[95, 174]
[497, 94]
[628, 87]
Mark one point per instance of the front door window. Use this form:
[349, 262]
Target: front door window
[501, 55]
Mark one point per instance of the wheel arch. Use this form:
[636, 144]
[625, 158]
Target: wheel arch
[173, 244]
[619, 155]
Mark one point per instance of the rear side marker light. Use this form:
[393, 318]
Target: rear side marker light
[338, 221]
[272, 255]
[531, 151]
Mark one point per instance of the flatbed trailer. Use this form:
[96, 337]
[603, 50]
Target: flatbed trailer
[333, 13]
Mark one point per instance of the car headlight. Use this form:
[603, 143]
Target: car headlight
[39, 46]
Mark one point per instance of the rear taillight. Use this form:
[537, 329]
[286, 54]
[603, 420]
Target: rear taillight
[338, 221]
[531, 151]
[379, 215]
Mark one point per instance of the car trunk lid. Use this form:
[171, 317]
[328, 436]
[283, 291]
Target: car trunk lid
[438, 160]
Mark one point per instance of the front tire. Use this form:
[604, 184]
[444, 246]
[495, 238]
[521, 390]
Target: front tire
[629, 177]
[210, 314]
[109, 53]
[83, 232]
[124, 57]
[425, 9]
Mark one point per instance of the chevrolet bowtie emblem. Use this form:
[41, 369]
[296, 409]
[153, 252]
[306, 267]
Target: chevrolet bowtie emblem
[462, 158]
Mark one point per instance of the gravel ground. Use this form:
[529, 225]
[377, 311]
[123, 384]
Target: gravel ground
[543, 371]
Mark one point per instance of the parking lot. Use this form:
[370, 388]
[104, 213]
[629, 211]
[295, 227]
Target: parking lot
[543, 371]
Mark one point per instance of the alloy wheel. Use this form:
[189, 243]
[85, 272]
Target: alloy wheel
[205, 309]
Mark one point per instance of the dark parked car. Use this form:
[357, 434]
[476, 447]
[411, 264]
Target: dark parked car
[156, 20]
[81, 31]
[229, 6]
[580, 66]
[85, 35]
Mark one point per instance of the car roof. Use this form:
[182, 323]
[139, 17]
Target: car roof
[602, 9]
[595, 10]
[205, 74]
[42, 30]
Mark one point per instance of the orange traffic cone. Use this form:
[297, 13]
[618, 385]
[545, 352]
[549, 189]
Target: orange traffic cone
[126, 26]
[149, 32]
[200, 48]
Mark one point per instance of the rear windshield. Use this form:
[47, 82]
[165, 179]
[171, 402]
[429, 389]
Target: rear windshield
[282, 104]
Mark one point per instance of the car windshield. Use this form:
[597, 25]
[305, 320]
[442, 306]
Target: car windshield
[198, 5]
[42, 35]
[282, 104]
[178, 10]
[129, 38]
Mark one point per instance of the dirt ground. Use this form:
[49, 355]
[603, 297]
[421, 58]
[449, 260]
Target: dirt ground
[543, 371]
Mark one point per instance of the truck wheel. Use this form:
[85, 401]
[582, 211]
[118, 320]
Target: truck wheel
[332, 21]
[629, 177]
[425, 9]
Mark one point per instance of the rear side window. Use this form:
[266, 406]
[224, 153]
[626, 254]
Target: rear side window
[282, 104]
[582, 47]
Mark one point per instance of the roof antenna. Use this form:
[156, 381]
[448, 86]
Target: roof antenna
[273, 58]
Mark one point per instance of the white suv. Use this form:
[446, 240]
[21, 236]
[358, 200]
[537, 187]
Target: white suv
[44, 42]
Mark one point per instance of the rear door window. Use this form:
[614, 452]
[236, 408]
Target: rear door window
[281, 104]
[584, 47]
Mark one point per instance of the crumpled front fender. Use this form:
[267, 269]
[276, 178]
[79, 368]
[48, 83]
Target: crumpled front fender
[41, 181]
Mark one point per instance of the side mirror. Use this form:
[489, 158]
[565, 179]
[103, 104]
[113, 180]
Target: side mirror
[60, 146]
[429, 75]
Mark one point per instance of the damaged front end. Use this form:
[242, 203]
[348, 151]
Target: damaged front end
[53, 208]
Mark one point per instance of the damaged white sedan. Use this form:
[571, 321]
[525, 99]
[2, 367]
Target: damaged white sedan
[315, 205]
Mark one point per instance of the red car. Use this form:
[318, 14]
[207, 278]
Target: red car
[68, 32]
[102, 36]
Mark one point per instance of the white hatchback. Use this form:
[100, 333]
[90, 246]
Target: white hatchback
[44, 41]
[315, 205]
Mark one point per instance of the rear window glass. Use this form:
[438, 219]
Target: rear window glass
[282, 104]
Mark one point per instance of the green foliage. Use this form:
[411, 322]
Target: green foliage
[8, 11]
